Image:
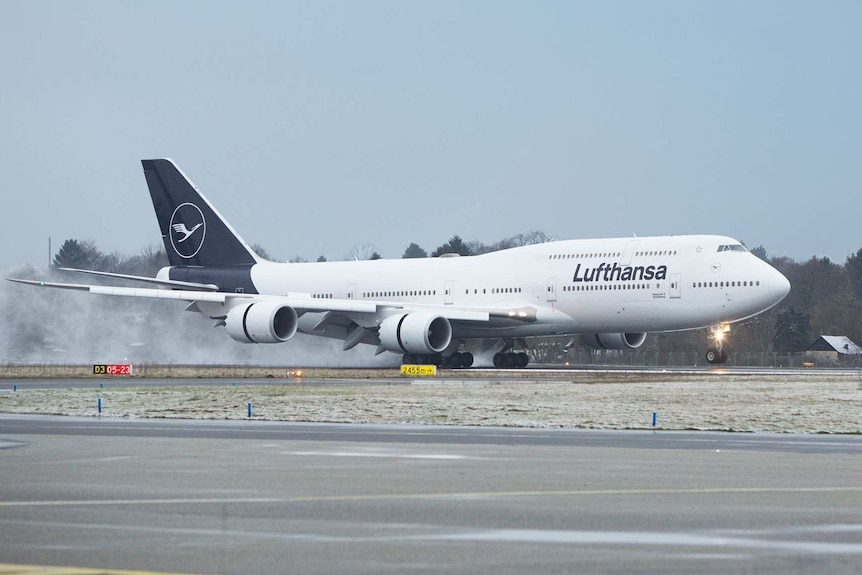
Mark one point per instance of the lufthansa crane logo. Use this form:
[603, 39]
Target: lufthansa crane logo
[188, 228]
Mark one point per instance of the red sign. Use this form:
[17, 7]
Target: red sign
[112, 369]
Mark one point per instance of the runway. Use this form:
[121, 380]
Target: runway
[274, 497]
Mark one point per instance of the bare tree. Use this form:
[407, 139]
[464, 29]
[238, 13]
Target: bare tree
[262, 252]
[360, 252]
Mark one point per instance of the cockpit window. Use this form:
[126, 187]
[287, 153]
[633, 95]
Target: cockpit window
[732, 248]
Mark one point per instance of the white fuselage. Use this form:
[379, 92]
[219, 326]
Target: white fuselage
[578, 286]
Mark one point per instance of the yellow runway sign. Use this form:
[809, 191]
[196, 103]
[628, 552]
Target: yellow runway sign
[420, 370]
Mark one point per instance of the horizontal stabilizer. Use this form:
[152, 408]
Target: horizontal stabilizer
[145, 279]
[184, 295]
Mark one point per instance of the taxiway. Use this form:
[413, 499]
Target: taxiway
[273, 497]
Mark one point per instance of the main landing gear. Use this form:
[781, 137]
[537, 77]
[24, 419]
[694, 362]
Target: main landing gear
[507, 358]
[717, 353]
[458, 360]
[511, 360]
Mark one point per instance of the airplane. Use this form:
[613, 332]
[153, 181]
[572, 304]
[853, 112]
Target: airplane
[611, 292]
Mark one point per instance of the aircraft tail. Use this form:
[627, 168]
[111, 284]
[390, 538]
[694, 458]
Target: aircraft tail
[195, 234]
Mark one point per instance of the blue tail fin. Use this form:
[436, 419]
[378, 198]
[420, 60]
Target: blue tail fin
[195, 234]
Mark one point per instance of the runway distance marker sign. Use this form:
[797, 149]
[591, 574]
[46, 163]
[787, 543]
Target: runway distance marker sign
[112, 369]
[420, 370]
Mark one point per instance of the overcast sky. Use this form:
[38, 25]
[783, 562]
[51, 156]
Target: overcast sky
[317, 126]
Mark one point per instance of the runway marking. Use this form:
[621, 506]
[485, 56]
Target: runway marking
[729, 544]
[435, 496]
[573, 493]
[181, 501]
[379, 454]
[651, 539]
[11, 569]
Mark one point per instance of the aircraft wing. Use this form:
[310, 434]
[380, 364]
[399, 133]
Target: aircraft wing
[300, 302]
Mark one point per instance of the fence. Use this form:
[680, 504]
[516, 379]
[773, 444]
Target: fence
[636, 358]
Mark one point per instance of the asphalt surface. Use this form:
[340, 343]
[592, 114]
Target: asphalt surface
[266, 497]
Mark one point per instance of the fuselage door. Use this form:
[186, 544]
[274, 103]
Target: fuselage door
[449, 292]
[351, 291]
[626, 257]
[675, 286]
[552, 289]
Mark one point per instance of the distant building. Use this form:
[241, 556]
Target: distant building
[833, 347]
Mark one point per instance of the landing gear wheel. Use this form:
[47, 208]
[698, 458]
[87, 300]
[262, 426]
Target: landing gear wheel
[458, 360]
[422, 359]
[511, 360]
[714, 356]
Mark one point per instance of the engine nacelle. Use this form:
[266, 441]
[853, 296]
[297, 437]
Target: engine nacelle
[415, 333]
[613, 340]
[261, 322]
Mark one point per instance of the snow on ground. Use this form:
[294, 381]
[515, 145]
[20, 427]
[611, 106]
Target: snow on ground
[771, 403]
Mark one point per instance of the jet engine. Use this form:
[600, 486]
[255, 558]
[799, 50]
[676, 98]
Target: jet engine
[613, 340]
[415, 333]
[261, 322]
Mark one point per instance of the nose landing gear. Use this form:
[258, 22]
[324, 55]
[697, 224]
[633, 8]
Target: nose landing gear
[714, 355]
[717, 353]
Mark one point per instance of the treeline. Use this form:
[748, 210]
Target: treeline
[825, 297]
[84, 255]
[456, 245]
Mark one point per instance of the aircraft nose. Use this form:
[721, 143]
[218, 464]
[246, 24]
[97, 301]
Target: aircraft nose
[779, 286]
